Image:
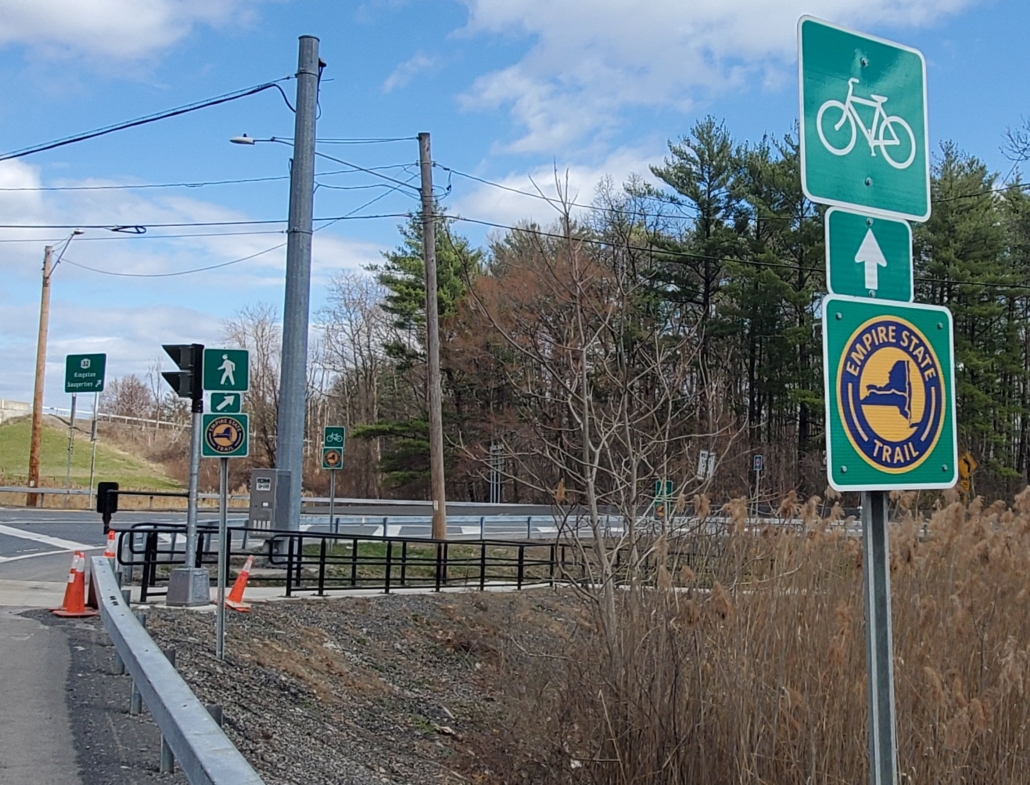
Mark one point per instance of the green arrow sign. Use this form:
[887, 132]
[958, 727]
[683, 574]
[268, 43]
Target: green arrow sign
[863, 122]
[225, 436]
[227, 370]
[84, 373]
[868, 256]
[890, 403]
[226, 403]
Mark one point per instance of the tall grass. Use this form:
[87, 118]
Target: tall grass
[754, 672]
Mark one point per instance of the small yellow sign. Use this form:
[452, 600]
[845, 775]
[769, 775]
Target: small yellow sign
[966, 465]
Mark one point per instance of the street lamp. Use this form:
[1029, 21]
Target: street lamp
[33, 499]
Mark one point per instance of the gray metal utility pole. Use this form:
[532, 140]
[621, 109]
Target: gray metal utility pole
[883, 744]
[293, 374]
[35, 441]
[438, 490]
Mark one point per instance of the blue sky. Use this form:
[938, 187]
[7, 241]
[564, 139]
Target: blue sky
[509, 90]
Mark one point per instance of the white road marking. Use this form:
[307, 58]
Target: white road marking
[54, 542]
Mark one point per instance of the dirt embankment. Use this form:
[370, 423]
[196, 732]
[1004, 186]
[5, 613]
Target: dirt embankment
[398, 689]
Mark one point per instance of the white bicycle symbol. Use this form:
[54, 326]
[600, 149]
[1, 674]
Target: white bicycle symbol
[882, 134]
[334, 438]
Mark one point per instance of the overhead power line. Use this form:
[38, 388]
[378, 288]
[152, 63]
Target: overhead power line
[151, 118]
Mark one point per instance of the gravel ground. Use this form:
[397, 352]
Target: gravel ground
[393, 689]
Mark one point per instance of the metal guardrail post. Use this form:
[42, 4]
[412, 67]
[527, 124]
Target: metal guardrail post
[404, 563]
[439, 564]
[389, 564]
[321, 568]
[354, 562]
[189, 734]
[482, 527]
[522, 566]
[289, 568]
[482, 565]
[554, 558]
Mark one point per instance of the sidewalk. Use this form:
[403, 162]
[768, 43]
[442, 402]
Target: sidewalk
[36, 743]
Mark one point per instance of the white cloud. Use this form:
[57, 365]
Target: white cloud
[408, 70]
[592, 58]
[109, 29]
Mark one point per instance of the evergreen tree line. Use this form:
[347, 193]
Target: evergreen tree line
[687, 313]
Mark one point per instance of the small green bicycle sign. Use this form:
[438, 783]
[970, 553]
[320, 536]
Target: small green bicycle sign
[863, 122]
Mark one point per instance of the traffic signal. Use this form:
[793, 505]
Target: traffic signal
[107, 501]
[188, 381]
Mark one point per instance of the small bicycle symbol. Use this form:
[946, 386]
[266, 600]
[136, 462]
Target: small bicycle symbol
[334, 438]
[882, 133]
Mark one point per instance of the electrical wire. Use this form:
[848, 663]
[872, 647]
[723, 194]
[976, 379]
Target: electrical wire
[143, 186]
[178, 272]
[152, 118]
[782, 265]
[373, 172]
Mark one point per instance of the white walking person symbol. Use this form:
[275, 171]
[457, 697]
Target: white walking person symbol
[228, 369]
[883, 132]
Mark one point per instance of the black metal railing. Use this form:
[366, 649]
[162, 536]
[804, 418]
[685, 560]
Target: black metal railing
[321, 561]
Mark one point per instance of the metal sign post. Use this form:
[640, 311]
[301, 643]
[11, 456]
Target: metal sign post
[71, 447]
[883, 743]
[332, 503]
[223, 555]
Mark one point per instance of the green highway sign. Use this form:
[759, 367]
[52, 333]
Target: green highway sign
[863, 122]
[890, 405]
[663, 490]
[332, 458]
[225, 436]
[334, 436]
[226, 403]
[84, 373]
[226, 370]
[868, 256]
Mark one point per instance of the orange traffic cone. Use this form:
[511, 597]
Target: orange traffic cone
[235, 598]
[109, 550]
[75, 593]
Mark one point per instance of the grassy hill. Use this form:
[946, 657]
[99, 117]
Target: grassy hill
[112, 463]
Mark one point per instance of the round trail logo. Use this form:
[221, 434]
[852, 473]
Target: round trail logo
[225, 435]
[890, 394]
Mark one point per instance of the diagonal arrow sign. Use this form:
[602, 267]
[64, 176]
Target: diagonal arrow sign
[872, 257]
[230, 399]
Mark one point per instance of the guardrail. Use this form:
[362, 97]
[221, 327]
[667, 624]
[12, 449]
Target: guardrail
[322, 561]
[206, 755]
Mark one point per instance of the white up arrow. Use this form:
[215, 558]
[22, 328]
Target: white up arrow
[871, 256]
[228, 400]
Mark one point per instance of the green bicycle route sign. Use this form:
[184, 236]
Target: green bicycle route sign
[890, 395]
[863, 122]
[868, 256]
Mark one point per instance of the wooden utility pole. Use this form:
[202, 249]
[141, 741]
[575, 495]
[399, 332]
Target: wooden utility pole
[438, 491]
[33, 499]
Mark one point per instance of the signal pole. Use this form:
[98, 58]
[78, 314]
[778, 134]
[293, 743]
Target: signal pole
[33, 499]
[293, 374]
[438, 490]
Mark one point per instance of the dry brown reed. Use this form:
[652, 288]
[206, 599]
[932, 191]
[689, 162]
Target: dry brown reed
[748, 667]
